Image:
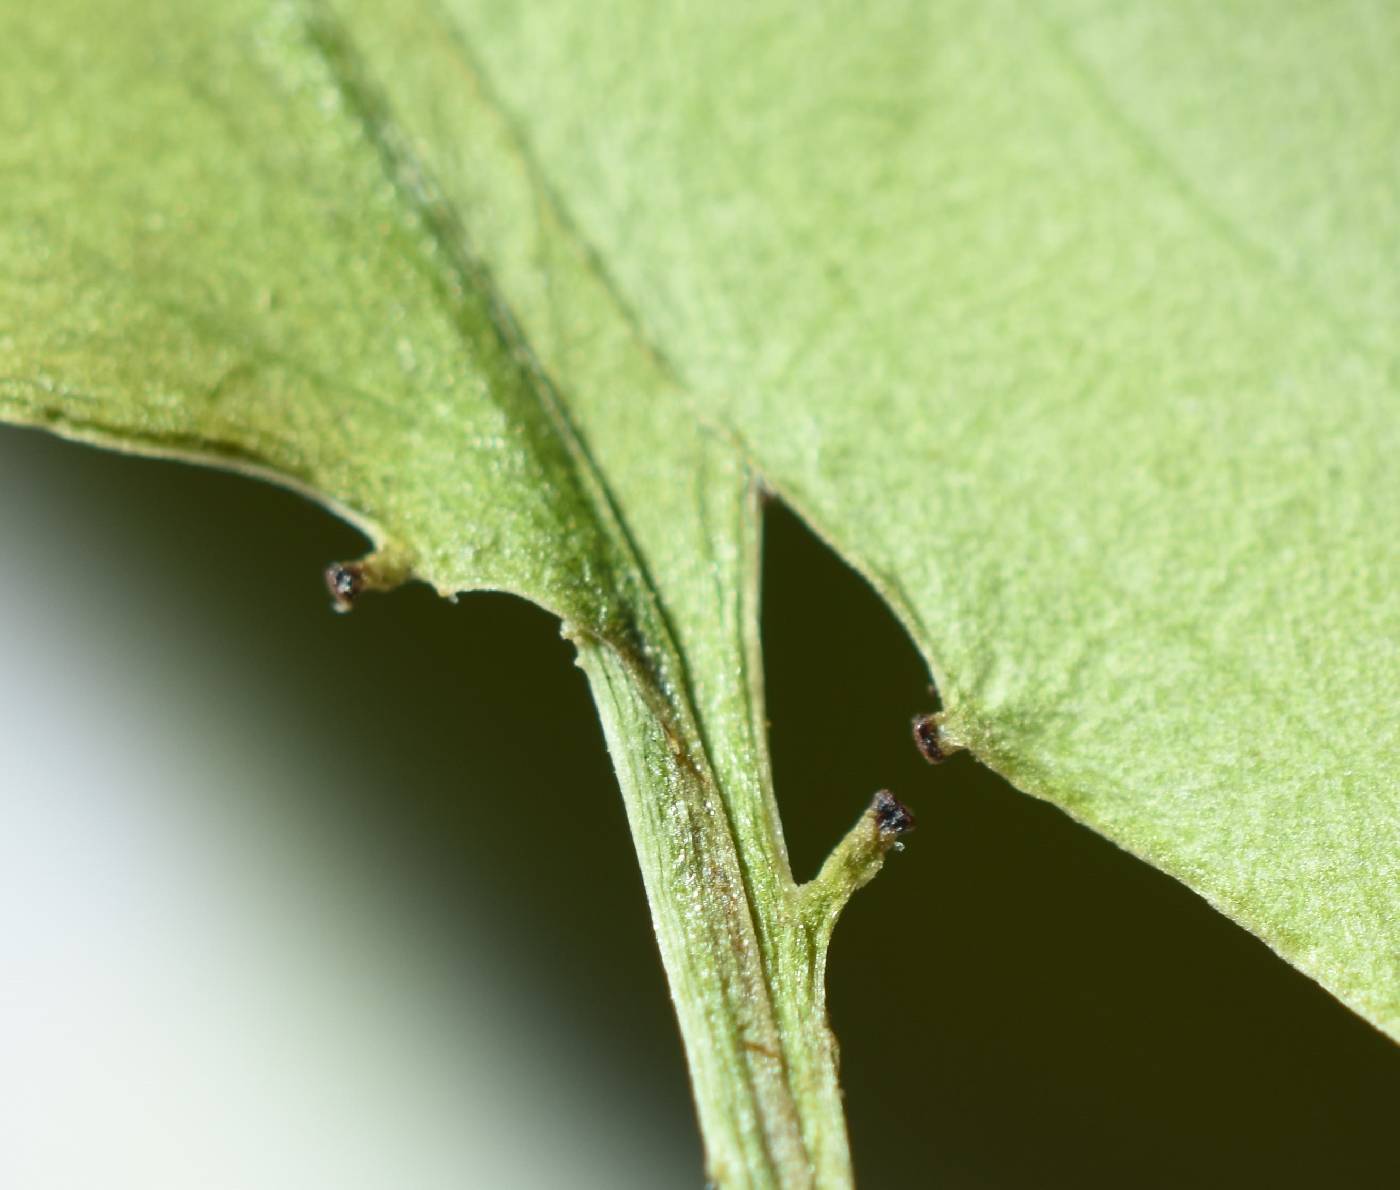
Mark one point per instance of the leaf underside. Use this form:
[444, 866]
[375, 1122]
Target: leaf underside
[1070, 326]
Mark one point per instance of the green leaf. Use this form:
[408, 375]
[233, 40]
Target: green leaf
[1072, 327]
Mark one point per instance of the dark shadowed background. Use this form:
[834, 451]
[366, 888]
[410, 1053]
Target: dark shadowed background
[305, 900]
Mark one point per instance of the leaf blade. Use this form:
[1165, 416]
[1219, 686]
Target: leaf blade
[945, 280]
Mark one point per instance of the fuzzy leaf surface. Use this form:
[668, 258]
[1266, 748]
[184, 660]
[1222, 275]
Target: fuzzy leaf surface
[1071, 326]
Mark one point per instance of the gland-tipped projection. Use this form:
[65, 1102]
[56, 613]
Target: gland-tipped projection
[855, 861]
[380, 571]
[931, 740]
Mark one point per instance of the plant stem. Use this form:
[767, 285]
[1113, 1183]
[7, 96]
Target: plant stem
[744, 948]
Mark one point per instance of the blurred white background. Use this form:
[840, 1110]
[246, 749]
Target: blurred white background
[206, 981]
